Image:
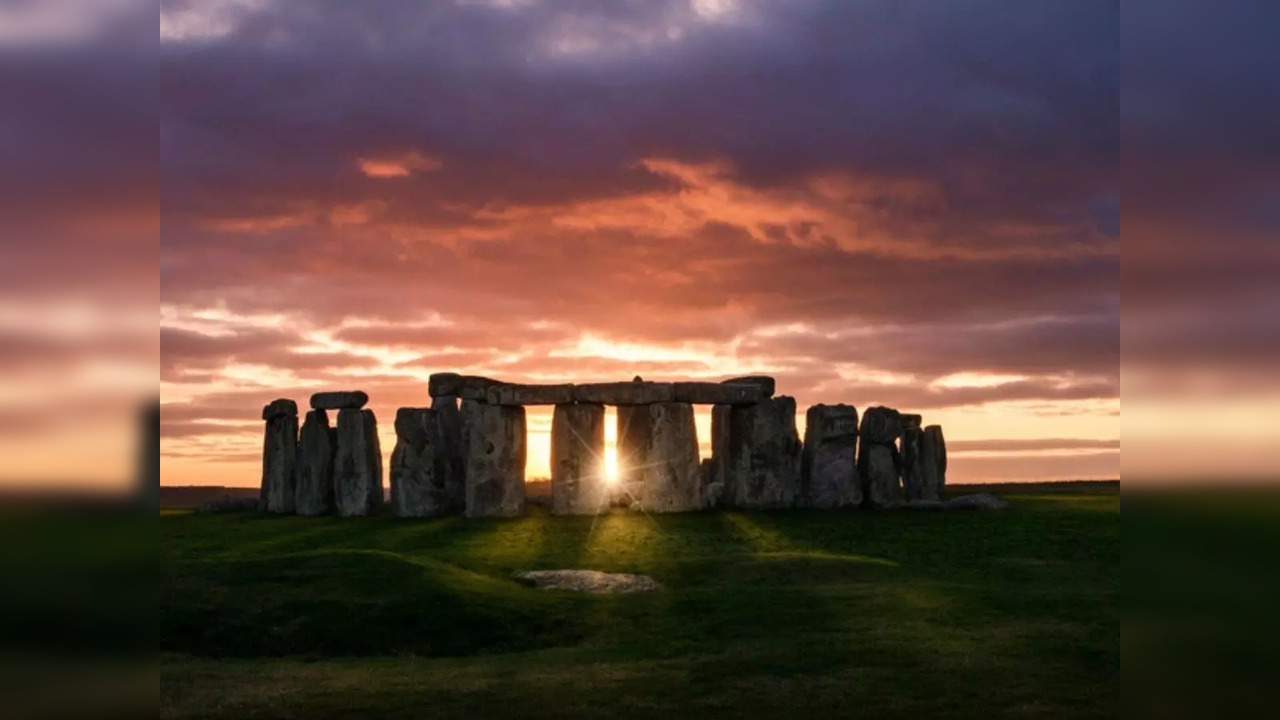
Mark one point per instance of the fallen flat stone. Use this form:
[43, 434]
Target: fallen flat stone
[281, 407]
[829, 468]
[932, 463]
[418, 469]
[357, 466]
[762, 469]
[766, 384]
[878, 470]
[977, 501]
[624, 393]
[314, 492]
[345, 400]
[881, 425]
[279, 458]
[589, 581]
[706, 393]
[529, 394]
[496, 451]
[441, 384]
[578, 484]
[475, 387]
[672, 471]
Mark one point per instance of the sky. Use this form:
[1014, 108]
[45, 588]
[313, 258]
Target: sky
[901, 202]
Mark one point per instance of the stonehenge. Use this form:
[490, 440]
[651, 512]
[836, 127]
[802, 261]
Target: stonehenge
[466, 453]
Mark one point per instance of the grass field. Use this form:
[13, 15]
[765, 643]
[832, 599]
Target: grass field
[879, 615]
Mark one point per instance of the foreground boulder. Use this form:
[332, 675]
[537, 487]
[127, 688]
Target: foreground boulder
[314, 492]
[418, 467]
[829, 468]
[578, 484]
[762, 469]
[590, 581]
[279, 457]
[672, 471]
[496, 452]
[357, 466]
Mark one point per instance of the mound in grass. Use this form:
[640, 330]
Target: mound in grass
[353, 602]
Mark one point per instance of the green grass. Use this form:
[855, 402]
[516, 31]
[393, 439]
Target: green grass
[1004, 614]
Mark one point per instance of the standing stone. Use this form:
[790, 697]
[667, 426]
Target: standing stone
[672, 471]
[418, 468]
[496, 453]
[933, 463]
[829, 468]
[717, 485]
[578, 484]
[763, 469]
[314, 492]
[879, 464]
[357, 467]
[909, 447]
[633, 447]
[453, 450]
[279, 457]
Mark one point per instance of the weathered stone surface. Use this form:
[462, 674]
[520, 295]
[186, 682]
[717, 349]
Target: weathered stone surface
[443, 384]
[672, 471]
[712, 490]
[829, 468]
[636, 392]
[357, 466]
[529, 394]
[766, 384]
[281, 407]
[881, 425]
[418, 467]
[932, 463]
[633, 446]
[496, 452]
[475, 387]
[590, 581]
[344, 400]
[913, 485]
[279, 458]
[720, 447]
[454, 451]
[977, 501]
[878, 470]
[314, 492]
[763, 463]
[706, 393]
[578, 484]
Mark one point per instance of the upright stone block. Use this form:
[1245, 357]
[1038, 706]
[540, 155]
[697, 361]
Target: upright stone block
[933, 463]
[717, 486]
[879, 464]
[418, 466]
[829, 468]
[314, 492]
[578, 484]
[909, 447]
[496, 452]
[633, 446]
[279, 457]
[454, 451]
[763, 469]
[672, 471]
[357, 467]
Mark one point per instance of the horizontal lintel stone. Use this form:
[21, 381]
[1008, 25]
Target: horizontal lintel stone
[529, 394]
[709, 393]
[624, 393]
[766, 384]
[281, 407]
[345, 400]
